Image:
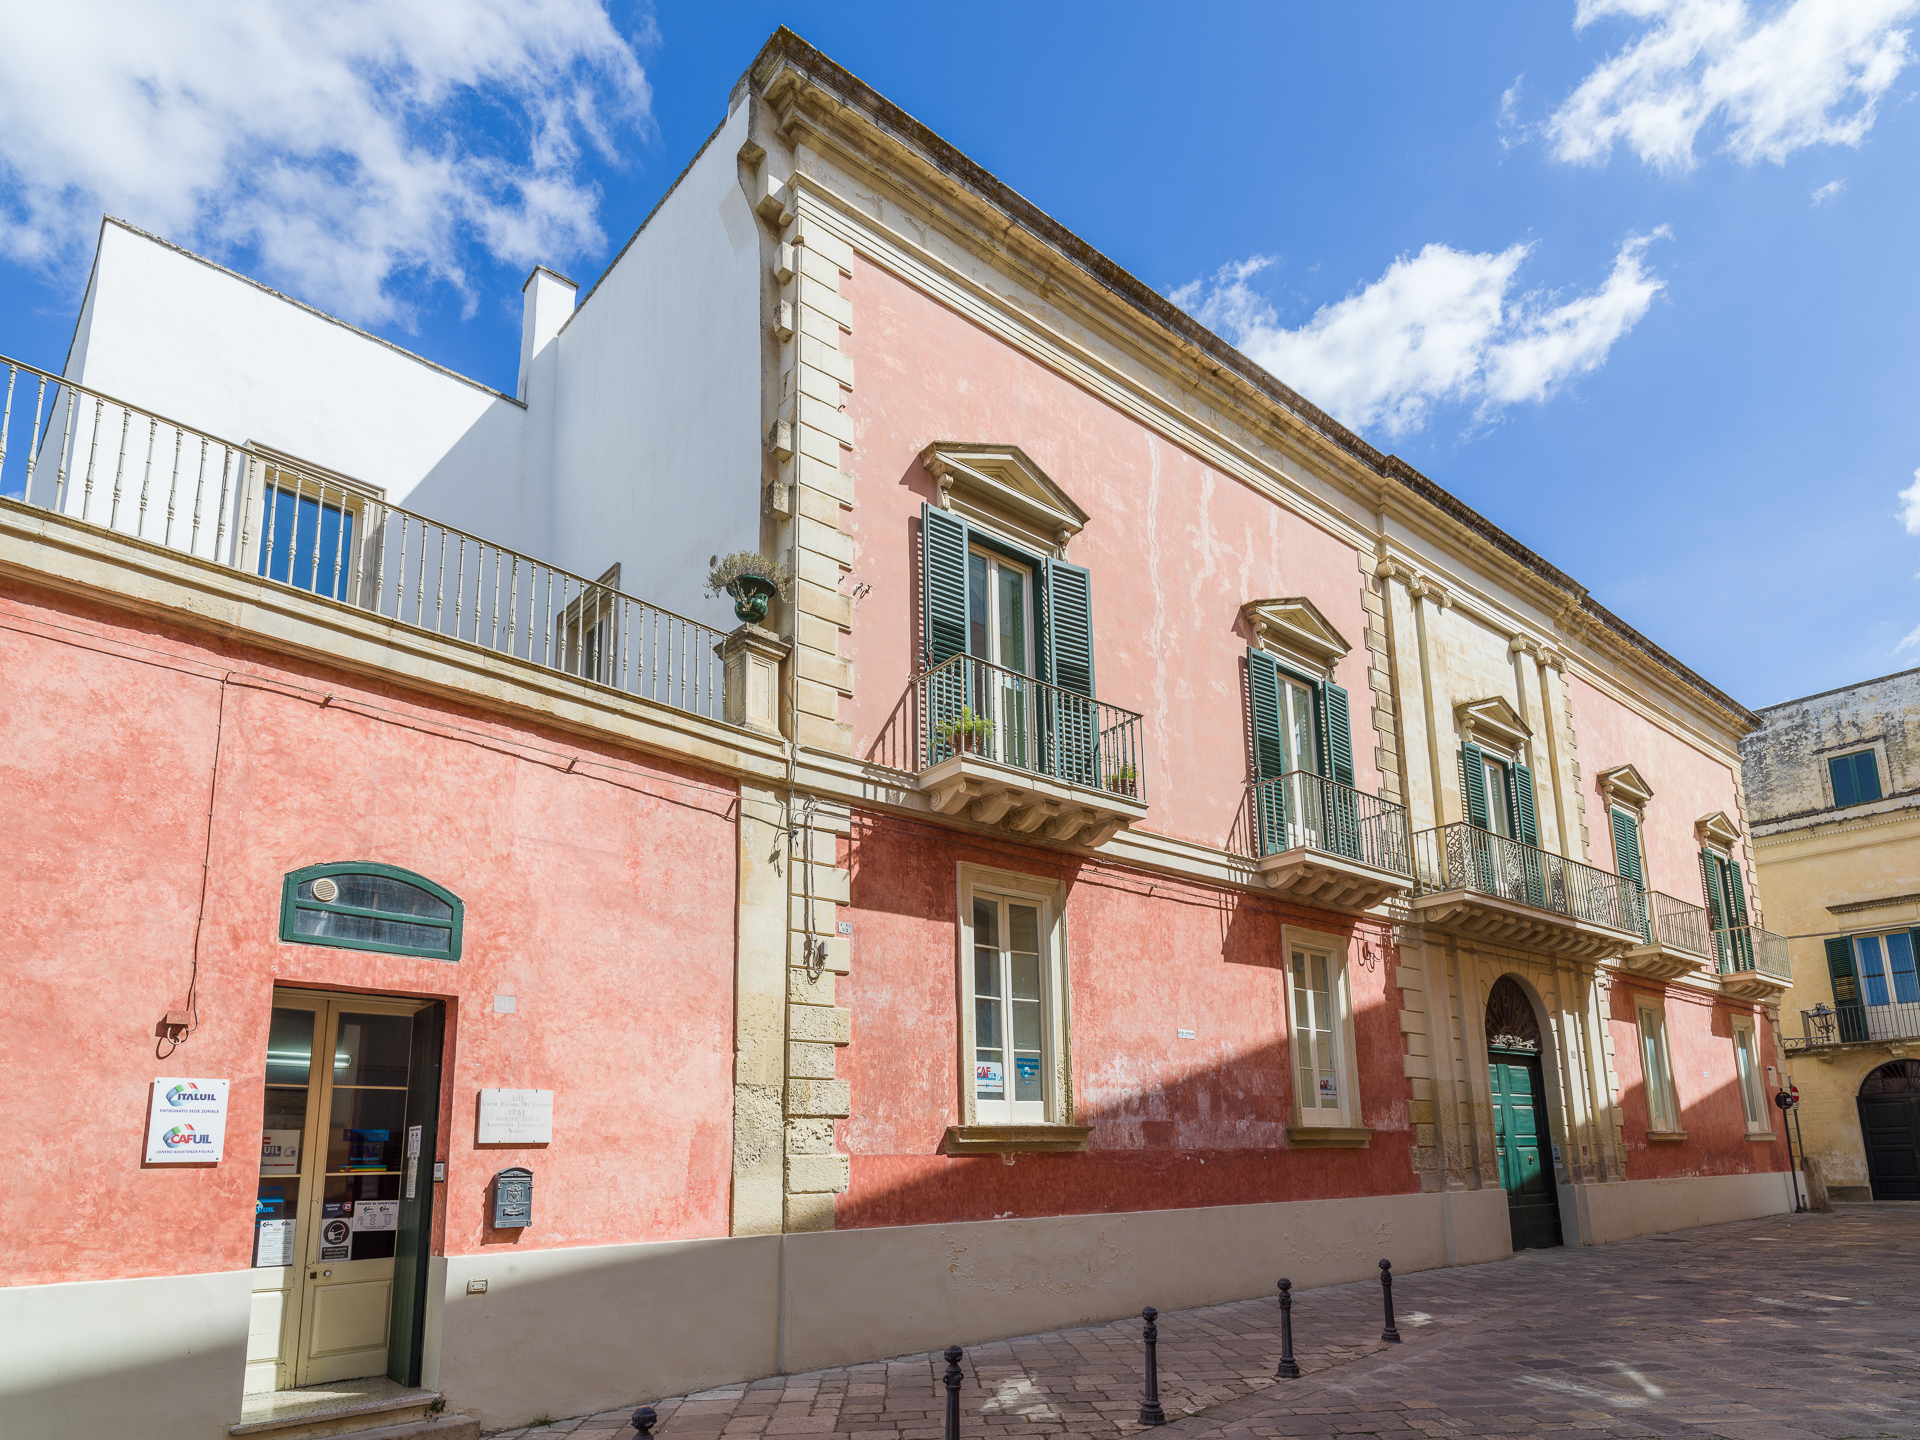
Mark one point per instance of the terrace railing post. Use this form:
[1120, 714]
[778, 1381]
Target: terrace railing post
[1289, 1367]
[952, 1380]
[1391, 1335]
[643, 1422]
[1150, 1411]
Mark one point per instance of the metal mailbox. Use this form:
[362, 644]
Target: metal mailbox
[513, 1199]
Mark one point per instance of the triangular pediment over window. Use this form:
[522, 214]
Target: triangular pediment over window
[1293, 627]
[1492, 719]
[1717, 829]
[1624, 785]
[1001, 486]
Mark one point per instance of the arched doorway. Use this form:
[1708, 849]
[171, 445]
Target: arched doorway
[1890, 1127]
[1522, 1141]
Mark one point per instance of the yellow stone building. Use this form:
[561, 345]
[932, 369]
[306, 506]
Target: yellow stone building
[1833, 794]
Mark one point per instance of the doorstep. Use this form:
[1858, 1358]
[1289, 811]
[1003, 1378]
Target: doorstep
[375, 1408]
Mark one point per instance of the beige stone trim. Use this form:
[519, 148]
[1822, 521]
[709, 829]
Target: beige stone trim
[1328, 1137]
[1015, 1139]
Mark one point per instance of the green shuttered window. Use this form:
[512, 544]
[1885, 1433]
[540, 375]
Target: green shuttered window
[1498, 795]
[1856, 778]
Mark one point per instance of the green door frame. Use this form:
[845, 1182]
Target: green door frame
[413, 1245]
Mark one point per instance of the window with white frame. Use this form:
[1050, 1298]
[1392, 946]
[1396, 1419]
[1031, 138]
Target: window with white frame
[1746, 1060]
[1655, 1065]
[1323, 1069]
[1014, 1012]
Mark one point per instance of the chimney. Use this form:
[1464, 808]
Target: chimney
[546, 302]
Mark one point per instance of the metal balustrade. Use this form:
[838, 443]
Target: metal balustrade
[1854, 1023]
[1750, 948]
[969, 707]
[72, 450]
[1304, 810]
[1679, 925]
[1465, 857]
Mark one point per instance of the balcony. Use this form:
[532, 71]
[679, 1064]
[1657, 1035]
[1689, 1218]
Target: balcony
[1824, 1029]
[1327, 844]
[1475, 883]
[1001, 748]
[1675, 939]
[92, 458]
[1752, 963]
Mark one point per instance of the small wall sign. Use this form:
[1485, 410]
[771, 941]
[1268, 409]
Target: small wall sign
[516, 1117]
[188, 1122]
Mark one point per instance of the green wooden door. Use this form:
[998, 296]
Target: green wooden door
[1524, 1148]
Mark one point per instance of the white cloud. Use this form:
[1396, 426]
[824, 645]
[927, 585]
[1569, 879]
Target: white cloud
[1440, 327]
[1910, 506]
[1808, 72]
[1829, 191]
[348, 142]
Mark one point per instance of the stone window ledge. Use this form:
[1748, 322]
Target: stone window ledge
[1009, 1139]
[1762, 1137]
[1328, 1137]
[1667, 1137]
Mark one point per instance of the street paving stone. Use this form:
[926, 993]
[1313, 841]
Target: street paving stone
[1785, 1328]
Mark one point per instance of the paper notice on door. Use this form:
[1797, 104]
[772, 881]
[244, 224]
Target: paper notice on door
[413, 1159]
[273, 1242]
[989, 1080]
[376, 1215]
[280, 1152]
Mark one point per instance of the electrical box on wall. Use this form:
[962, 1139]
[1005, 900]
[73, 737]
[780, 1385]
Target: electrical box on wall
[513, 1199]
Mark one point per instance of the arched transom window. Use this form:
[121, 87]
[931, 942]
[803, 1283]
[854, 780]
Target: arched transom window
[360, 905]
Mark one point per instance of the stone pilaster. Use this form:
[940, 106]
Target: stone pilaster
[816, 1027]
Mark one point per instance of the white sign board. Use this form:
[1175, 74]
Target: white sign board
[280, 1152]
[516, 1117]
[188, 1122]
[376, 1215]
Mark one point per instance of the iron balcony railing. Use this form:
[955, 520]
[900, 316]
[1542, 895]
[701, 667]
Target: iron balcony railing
[1853, 1023]
[83, 454]
[1748, 947]
[1465, 857]
[1303, 810]
[969, 707]
[1678, 925]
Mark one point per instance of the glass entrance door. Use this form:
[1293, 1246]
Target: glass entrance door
[1000, 631]
[327, 1211]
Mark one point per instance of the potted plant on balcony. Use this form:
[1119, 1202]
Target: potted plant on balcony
[1124, 781]
[751, 579]
[967, 733]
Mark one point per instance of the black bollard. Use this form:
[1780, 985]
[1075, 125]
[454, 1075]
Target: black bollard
[1289, 1367]
[1386, 1295]
[1150, 1411]
[643, 1422]
[952, 1380]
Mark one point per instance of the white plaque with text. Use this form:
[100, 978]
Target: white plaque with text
[516, 1117]
[187, 1124]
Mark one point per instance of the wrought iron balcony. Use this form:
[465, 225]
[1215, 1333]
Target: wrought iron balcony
[85, 455]
[1674, 935]
[1012, 751]
[1824, 1027]
[1753, 963]
[1005, 749]
[1477, 883]
[1328, 844]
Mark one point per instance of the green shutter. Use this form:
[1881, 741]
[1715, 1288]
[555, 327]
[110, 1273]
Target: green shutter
[1852, 1020]
[1710, 884]
[1473, 784]
[1069, 627]
[1336, 729]
[1070, 728]
[1736, 896]
[1269, 800]
[943, 571]
[1526, 821]
[1626, 864]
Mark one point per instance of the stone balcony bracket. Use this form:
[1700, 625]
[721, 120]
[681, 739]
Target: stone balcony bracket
[1330, 882]
[1662, 962]
[1500, 921]
[1024, 804]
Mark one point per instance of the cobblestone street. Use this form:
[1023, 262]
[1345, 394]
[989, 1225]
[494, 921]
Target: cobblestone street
[1764, 1330]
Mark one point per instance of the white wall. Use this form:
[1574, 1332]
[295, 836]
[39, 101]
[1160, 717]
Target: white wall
[657, 447]
[183, 338]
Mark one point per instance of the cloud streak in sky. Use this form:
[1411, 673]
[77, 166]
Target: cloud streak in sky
[346, 143]
[1810, 72]
[1443, 327]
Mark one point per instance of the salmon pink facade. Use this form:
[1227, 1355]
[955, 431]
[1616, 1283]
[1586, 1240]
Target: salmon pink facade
[1141, 835]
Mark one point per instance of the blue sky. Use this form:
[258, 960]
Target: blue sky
[1636, 278]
